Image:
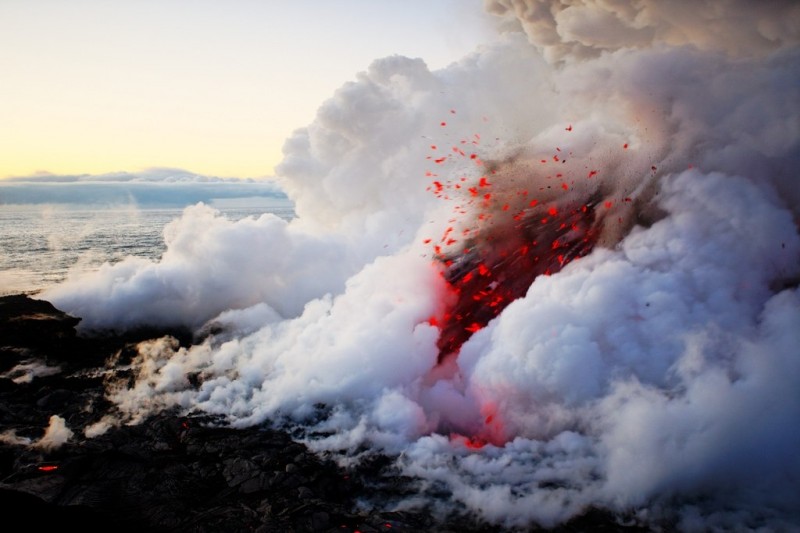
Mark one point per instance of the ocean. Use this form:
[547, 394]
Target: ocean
[41, 244]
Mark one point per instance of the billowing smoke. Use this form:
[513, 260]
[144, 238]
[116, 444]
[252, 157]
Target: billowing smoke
[652, 371]
[586, 28]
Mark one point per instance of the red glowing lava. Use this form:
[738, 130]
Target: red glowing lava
[514, 221]
[501, 239]
[499, 265]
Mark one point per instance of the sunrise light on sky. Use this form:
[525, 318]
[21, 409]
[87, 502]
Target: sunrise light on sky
[214, 87]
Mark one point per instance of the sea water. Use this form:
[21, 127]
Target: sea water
[41, 244]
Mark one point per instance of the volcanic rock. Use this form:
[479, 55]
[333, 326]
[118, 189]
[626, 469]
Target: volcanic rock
[169, 472]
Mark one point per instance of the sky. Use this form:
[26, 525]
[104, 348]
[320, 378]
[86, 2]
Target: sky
[212, 87]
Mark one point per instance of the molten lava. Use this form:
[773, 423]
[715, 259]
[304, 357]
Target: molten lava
[520, 219]
[498, 265]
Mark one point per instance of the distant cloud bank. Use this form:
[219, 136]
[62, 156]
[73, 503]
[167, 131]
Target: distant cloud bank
[153, 187]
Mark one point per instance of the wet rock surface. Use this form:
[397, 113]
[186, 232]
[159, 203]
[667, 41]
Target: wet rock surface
[169, 472]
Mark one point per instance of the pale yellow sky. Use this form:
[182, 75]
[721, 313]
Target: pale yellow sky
[93, 86]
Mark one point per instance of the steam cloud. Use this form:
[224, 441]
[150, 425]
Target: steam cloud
[563, 28]
[656, 377]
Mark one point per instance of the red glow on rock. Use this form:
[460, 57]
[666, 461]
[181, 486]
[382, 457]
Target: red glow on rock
[47, 468]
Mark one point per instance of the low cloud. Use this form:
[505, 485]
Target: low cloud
[160, 187]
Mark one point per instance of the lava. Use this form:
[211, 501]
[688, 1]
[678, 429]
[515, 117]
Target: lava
[498, 265]
[504, 234]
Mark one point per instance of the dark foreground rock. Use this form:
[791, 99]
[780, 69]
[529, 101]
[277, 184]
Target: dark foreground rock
[170, 473]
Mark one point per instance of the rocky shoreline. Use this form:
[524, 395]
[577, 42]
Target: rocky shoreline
[170, 473]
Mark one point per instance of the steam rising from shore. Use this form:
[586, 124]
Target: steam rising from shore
[656, 377]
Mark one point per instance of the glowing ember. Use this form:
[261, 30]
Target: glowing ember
[48, 468]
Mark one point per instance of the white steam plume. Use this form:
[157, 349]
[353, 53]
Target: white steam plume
[56, 435]
[655, 377]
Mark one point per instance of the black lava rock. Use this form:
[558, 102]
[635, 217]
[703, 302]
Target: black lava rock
[169, 473]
